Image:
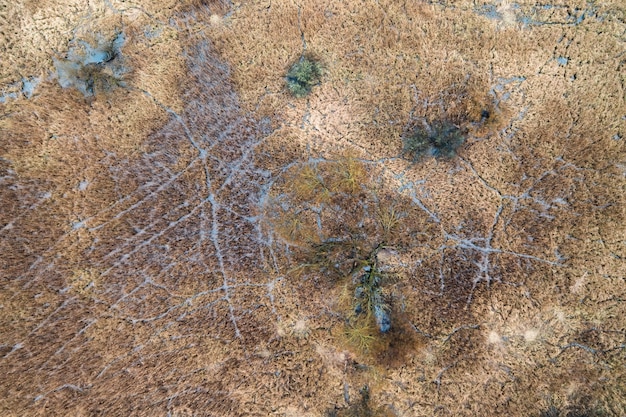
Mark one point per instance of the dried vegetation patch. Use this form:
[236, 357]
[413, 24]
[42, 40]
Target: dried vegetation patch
[200, 241]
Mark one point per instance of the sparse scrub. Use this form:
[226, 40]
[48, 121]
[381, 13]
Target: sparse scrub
[309, 185]
[303, 76]
[389, 217]
[296, 227]
[440, 139]
[369, 299]
[346, 248]
[329, 258]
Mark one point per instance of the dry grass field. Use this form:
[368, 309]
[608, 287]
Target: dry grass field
[181, 236]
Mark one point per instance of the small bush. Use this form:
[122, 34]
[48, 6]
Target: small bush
[389, 217]
[361, 333]
[369, 298]
[303, 75]
[349, 175]
[441, 140]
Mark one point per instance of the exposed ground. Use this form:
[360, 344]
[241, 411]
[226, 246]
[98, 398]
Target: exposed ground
[179, 234]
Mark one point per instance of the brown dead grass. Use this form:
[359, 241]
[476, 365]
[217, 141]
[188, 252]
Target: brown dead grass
[527, 223]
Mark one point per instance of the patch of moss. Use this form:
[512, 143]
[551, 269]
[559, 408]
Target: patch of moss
[303, 75]
[349, 175]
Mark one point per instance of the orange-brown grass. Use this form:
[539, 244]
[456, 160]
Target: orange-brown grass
[389, 217]
[297, 228]
[528, 221]
[349, 175]
[362, 335]
[310, 185]
[363, 406]
[215, 7]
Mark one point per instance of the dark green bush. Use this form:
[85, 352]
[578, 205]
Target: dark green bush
[303, 75]
[369, 298]
[441, 139]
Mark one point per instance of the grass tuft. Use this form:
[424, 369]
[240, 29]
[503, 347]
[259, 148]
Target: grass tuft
[361, 333]
[309, 185]
[389, 217]
[349, 175]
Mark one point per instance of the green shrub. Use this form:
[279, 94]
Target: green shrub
[440, 139]
[303, 75]
[369, 298]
